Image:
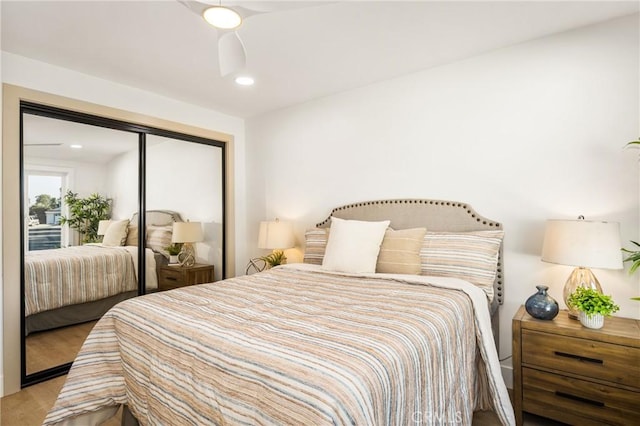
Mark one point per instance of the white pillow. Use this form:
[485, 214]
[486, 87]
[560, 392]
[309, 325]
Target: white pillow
[353, 245]
[116, 233]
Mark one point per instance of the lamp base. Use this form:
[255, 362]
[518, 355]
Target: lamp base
[187, 255]
[580, 277]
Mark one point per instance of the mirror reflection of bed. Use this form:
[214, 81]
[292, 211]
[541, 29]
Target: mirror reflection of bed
[69, 281]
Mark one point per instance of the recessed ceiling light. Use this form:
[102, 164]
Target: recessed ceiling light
[222, 17]
[75, 146]
[245, 80]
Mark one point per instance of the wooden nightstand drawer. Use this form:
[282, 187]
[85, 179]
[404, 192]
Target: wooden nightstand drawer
[577, 401]
[170, 277]
[586, 358]
[172, 273]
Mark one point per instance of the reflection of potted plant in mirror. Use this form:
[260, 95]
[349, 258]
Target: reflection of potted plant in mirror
[592, 305]
[85, 214]
[174, 250]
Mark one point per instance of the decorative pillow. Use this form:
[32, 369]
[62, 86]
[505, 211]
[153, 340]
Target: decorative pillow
[116, 233]
[471, 256]
[159, 238]
[353, 245]
[132, 235]
[400, 251]
[315, 245]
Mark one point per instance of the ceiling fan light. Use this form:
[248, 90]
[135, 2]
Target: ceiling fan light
[245, 80]
[222, 17]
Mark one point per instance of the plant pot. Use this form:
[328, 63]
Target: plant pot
[173, 258]
[591, 321]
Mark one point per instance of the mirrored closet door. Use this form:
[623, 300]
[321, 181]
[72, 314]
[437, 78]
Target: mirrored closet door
[84, 180]
[186, 177]
[73, 180]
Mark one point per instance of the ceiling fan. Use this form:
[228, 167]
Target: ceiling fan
[227, 18]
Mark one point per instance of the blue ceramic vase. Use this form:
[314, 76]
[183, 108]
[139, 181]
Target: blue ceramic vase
[541, 305]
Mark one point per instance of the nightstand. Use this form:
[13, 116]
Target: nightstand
[170, 277]
[576, 375]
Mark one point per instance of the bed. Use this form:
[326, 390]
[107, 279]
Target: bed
[78, 284]
[304, 343]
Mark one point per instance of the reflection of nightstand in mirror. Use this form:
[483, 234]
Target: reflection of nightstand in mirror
[170, 277]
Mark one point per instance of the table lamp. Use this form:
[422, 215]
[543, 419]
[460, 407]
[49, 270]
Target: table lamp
[584, 244]
[276, 235]
[187, 233]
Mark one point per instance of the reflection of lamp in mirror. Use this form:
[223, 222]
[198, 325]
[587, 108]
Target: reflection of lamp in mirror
[275, 235]
[187, 233]
[584, 244]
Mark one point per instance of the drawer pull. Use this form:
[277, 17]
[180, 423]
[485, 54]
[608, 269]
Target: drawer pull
[580, 399]
[579, 358]
[171, 278]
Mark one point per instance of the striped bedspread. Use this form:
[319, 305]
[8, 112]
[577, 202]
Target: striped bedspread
[293, 346]
[68, 276]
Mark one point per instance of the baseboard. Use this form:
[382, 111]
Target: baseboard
[507, 374]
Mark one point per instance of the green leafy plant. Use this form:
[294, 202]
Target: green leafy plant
[85, 214]
[276, 258]
[634, 142]
[633, 256]
[592, 302]
[174, 249]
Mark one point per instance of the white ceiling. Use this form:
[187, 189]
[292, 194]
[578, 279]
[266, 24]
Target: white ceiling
[51, 138]
[294, 55]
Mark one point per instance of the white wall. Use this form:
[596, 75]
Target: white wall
[86, 179]
[1, 254]
[523, 134]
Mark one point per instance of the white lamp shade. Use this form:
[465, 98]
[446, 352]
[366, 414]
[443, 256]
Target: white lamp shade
[187, 232]
[276, 235]
[583, 243]
[102, 226]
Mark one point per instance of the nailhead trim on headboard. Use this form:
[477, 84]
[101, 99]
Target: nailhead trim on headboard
[498, 286]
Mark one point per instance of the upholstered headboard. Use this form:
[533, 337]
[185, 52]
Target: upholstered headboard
[159, 217]
[435, 215]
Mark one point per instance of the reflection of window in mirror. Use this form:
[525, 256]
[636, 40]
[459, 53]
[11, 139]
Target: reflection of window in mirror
[43, 207]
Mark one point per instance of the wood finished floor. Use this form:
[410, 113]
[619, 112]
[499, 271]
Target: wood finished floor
[30, 406]
[51, 348]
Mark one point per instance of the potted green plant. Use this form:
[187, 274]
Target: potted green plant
[592, 305]
[85, 214]
[276, 258]
[174, 250]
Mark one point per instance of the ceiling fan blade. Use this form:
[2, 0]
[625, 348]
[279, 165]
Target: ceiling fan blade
[231, 53]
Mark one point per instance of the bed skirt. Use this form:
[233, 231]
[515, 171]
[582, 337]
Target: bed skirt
[74, 314]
